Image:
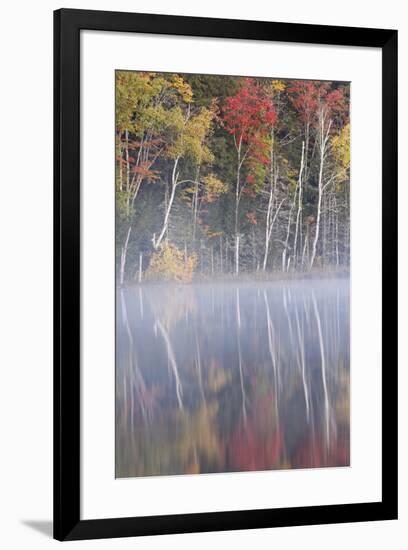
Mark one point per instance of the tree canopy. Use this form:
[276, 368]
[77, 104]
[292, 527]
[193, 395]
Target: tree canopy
[220, 175]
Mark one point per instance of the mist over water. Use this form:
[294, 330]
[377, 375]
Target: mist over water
[227, 377]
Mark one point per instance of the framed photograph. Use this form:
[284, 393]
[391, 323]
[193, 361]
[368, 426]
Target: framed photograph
[225, 274]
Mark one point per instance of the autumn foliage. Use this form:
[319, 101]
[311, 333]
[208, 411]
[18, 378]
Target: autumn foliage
[171, 264]
[309, 97]
[246, 173]
[248, 112]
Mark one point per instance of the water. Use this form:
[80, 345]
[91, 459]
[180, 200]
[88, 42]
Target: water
[232, 377]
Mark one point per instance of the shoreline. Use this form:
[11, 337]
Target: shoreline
[246, 278]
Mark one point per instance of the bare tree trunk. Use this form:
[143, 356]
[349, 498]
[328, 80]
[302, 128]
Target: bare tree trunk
[136, 188]
[324, 231]
[237, 195]
[221, 266]
[337, 241]
[323, 139]
[285, 266]
[299, 211]
[123, 257]
[140, 267]
[127, 171]
[319, 209]
[238, 190]
[270, 200]
[166, 204]
[307, 136]
[120, 162]
[267, 233]
[270, 223]
[254, 251]
[195, 203]
[174, 180]
[305, 244]
[237, 254]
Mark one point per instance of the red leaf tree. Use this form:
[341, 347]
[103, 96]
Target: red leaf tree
[322, 109]
[246, 116]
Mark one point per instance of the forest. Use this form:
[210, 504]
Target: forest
[223, 176]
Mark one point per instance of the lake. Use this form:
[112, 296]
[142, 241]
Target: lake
[227, 377]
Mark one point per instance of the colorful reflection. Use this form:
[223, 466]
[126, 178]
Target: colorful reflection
[224, 377]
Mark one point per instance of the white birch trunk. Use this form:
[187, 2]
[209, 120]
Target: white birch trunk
[237, 254]
[174, 178]
[221, 266]
[270, 201]
[127, 171]
[238, 190]
[123, 257]
[195, 203]
[323, 139]
[299, 210]
[285, 266]
[267, 232]
[140, 267]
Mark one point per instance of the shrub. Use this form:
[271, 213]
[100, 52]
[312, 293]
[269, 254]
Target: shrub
[171, 264]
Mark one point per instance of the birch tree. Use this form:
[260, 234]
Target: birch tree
[329, 105]
[140, 100]
[244, 115]
[187, 141]
[323, 133]
[245, 176]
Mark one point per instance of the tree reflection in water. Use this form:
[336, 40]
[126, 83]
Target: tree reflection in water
[232, 377]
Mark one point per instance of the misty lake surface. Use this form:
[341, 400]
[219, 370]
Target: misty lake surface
[226, 377]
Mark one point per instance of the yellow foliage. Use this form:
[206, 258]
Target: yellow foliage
[341, 151]
[171, 264]
[183, 88]
[191, 137]
[278, 85]
[213, 187]
[132, 89]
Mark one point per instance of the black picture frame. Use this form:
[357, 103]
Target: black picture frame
[67, 26]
